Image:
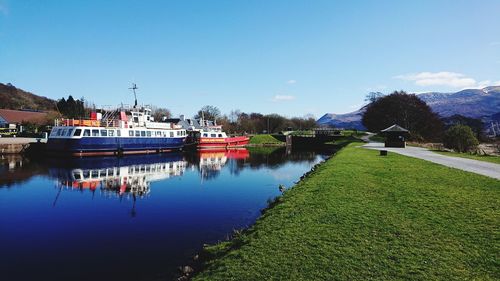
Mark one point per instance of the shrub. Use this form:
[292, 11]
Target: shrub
[460, 138]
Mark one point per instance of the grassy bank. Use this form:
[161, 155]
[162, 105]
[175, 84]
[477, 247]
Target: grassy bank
[486, 158]
[361, 216]
[265, 139]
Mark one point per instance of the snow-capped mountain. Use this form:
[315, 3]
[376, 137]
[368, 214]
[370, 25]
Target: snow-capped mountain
[475, 103]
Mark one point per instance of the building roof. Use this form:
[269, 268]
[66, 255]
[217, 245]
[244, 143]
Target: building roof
[395, 128]
[18, 116]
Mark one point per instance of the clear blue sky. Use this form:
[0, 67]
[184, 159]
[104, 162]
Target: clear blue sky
[288, 57]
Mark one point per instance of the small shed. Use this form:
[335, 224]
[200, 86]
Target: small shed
[395, 136]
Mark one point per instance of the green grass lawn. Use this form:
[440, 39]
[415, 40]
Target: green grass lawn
[361, 216]
[264, 139]
[263, 149]
[487, 158]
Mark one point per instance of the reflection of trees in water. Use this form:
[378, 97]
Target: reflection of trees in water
[280, 156]
[15, 169]
[272, 158]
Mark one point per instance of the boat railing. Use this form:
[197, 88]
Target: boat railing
[86, 122]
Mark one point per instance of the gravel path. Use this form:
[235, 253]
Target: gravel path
[479, 167]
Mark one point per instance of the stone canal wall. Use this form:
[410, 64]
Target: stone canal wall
[17, 145]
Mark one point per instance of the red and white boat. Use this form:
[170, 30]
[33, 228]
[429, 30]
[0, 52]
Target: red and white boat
[211, 136]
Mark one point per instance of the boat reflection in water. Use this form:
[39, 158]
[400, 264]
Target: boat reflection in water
[130, 176]
[211, 162]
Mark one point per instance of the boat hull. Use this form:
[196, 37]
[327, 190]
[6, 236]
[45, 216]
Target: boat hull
[94, 146]
[231, 142]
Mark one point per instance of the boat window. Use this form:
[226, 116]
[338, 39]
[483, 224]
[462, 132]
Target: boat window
[213, 135]
[158, 133]
[118, 133]
[137, 133]
[178, 133]
[205, 135]
[165, 134]
[63, 132]
[77, 133]
[143, 133]
[94, 174]
[69, 132]
[95, 133]
[220, 135]
[111, 133]
[86, 133]
[171, 134]
[77, 175]
[130, 133]
[148, 133]
[104, 133]
[136, 119]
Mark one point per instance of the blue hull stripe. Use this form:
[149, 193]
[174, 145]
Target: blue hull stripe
[90, 144]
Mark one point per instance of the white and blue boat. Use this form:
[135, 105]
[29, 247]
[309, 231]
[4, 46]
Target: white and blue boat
[118, 132]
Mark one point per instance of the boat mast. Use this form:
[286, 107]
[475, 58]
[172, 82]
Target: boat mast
[133, 88]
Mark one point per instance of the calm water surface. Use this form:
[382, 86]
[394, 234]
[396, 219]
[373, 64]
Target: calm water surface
[131, 218]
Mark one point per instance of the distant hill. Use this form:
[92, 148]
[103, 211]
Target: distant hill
[15, 98]
[349, 120]
[475, 103]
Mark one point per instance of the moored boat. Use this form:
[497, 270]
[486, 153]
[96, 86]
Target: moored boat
[118, 132]
[211, 136]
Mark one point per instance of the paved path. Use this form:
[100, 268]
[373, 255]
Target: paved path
[19, 140]
[475, 166]
[366, 137]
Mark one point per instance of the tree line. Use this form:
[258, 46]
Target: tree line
[234, 122]
[255, 123]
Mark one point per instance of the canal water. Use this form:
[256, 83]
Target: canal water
[132, 218]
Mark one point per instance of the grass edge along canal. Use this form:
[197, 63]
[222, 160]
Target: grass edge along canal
[362, 216]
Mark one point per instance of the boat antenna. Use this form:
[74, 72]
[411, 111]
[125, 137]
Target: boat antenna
[133, 88]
